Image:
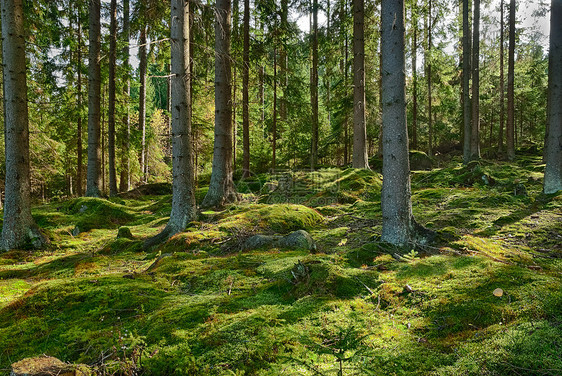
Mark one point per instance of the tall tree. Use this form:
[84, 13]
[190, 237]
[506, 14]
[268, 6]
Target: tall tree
[125, 181]
[19, 228]
[314, 86]
[553, 145]
[502, 89]
[510, 84]
[221, 187]
[466, 55]
[143, 65]
[398, 225]
[475, 116]
[112, 98]
[79, 151]
[94, 104]
[428, 28]
[245, 93]
[414, 75]
[360, 158]
[183, 182]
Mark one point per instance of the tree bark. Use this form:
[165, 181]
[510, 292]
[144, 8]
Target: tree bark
[143, 62]
[314, 86]
[221, 188]
[397, 227]
[553, 145]
[19, 228]
[94, 97]
[360, 158]
[475, 129]
[414, 76]
[125, 180]
[245, 93]
[183, 182]
[502, 88]
[429, 86]
[466, 106]
[510, 84]
[112, 98]
[79, 151]
[274, 114]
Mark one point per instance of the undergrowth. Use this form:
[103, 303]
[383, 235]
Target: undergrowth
[201, 305]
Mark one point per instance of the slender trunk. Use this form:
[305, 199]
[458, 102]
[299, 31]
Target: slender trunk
[125, 181]
[510, 84]
[428, 73]
[360, 158]
[475, 129]
[112, 97]
[314, 86]
[19, 228]
[79, 152]
[143, 61]
[414, 77]
[274, 115]
[183, 184]
[102, 137]
[235, 11]
[502, 89]
[553, 144]
[94, 91]
[397, 226]
[169, 109]
[466, 105]
[221, 187]
[283, 59]
[245, 93]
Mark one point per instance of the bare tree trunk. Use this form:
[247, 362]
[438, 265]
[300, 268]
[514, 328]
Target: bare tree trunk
[245, 93]
[360, 158]
[94, 91]
[111, 115]
[79, 152]
[183, 183]
[19, 228]
[398, 223]
[414, 76]
[428, 74]
[510, 84]
[475, 130]
[274, 115]
[314, 86]
[466, 105]
[553, 145]
[502, 88]
[142, 99]
[125, 180]
[221, 188]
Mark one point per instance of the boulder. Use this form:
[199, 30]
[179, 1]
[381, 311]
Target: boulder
[259, 241]
[297, 239]
[48, 366]
[124, 232]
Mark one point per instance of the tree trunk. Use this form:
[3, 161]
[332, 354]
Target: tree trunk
[221, 188]
[274, 115]
[360, 158]
[428, 74]
[397, 227]
[510, 84]
[553, 145]
[314, 86]
[502, 89]
[94, 111]
[475, 129]
[414, 76]
[183, 183]
[111, 115]
[245, 93]
[466, 106]
[125, 180]
[283, 59]
[19, 228]
[79, 152]
[143, 62]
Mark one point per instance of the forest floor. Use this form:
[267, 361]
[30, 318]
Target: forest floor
[201, 304]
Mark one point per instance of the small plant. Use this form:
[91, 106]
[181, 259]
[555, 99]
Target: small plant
[408, 257]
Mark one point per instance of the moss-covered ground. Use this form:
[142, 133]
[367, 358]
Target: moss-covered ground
[200, 305]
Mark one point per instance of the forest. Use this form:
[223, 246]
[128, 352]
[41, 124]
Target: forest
[281, 187]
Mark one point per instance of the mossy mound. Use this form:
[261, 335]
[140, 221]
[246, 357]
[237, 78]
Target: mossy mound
[96, 213]
[420, 160]
[154, 189]
[277, 218]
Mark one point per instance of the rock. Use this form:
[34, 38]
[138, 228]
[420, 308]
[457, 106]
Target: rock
[420, 160]
[297, 239]
[124, 232]
[76, 231]
[259, 241]
[48, 366]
